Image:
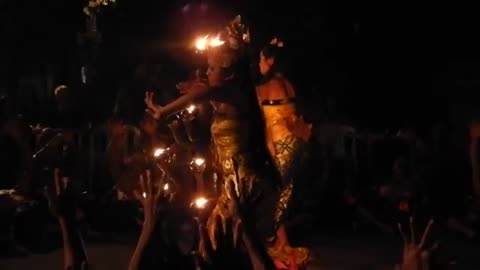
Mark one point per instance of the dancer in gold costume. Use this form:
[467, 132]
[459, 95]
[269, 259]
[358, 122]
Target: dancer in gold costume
[286, 138]
[230, 92]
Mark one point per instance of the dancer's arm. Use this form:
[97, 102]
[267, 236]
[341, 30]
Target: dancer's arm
[150, 200]
[63, 207]
[415, 255]
[195, 92]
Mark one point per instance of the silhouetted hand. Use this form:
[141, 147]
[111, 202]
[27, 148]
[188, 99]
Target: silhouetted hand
[415, 256]
[151, 197]
[155, 110]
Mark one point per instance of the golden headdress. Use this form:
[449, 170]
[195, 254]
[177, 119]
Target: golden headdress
[229, 45]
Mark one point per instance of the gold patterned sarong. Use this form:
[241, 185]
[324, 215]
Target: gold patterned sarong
[286, 138]
[286, 148]
[230, 142]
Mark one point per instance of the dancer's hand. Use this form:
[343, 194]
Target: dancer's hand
[150, 198]
[155, 110]
[415, 256]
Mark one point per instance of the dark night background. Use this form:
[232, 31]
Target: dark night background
[387, 63]
[374, 65]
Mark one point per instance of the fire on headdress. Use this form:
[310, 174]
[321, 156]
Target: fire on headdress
[226, 47]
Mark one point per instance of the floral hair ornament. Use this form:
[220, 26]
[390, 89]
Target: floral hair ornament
[276, 42]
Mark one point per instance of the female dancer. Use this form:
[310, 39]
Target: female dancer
[227, 88]
[286, 135]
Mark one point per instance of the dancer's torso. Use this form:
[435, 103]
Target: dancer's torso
[230, 127]
[279, 110]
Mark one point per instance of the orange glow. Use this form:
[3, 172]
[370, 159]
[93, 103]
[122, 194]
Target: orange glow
[158, 152]
[203, 43]
[200, 202]
[216, 41]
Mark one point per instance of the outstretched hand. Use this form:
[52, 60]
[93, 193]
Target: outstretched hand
[415, 256]
[151, 197]
[155, 110]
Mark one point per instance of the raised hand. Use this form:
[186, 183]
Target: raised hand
[156, 111]
[415, 256]
[151, 197]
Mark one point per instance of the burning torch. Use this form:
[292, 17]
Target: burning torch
[197, 167]
[204, 43]
[161, 157]
[189, 116]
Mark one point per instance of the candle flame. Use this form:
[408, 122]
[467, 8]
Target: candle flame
[201, 43]
[199, 161]
[166, 187]
[191, 108]
[158, 152]
[200, 202]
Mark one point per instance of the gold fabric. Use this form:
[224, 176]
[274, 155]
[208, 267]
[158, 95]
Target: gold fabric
[283, 203]
[283, 253]
[279, 121]
[230, 138]
[285, 145]
[236, 36]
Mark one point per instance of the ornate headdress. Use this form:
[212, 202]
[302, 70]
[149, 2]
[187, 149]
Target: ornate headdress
[229, 45]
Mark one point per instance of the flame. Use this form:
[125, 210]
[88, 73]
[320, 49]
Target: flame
[166, 187]
[199, 161]
[201, 43]
[144, 195]
[200, 202]
[158, 152]
[191, 108]
[216, 41]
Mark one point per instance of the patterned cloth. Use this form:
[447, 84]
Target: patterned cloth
[235, 165]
